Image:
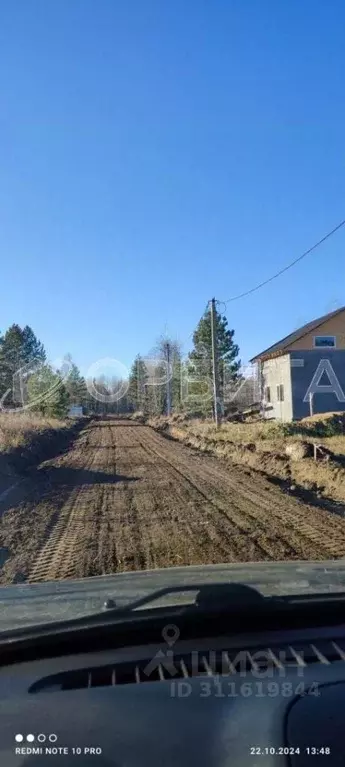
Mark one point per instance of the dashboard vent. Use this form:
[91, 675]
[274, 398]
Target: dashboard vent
[168, 666]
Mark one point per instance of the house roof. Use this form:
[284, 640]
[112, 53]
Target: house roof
[281, 346]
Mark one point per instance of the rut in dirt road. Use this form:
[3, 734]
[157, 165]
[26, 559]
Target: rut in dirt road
[125, 498]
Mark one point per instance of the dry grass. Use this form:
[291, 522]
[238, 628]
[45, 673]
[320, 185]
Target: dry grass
[261, 445]
[18, 429]
[138, 415]
[265, 435]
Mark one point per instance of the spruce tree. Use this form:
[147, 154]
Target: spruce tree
[200, 358]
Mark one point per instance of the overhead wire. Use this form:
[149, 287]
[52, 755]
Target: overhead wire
[285, 269]
[277, 274]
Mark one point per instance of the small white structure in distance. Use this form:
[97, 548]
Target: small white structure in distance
[75, 411]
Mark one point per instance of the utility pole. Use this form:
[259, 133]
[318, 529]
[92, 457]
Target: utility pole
[168, 379]
[215, 363]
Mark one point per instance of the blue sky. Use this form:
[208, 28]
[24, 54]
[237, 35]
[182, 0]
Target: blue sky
[154, 154]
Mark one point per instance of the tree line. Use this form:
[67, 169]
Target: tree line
[27, 379]
[191, 376]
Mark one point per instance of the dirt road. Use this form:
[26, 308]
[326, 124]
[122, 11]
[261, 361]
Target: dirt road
[124, 498]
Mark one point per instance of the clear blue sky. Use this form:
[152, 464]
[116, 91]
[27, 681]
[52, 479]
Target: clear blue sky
[154, 154]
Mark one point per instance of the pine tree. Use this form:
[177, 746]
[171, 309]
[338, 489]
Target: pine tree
[75, 386]
[10, 361]
[47, 393]
[20, 353]
[33, 349]
[201, 357]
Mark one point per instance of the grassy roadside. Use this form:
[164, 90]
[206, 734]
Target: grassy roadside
[17, 429]
[263, 446]
[27, 439]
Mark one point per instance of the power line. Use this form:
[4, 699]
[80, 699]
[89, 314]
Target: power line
[285, 269]
[277, 274]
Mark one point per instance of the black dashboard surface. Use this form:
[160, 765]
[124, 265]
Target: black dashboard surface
[246, 718]
[317, 725]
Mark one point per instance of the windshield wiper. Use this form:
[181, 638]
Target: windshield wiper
[209, 599]
[215, 595]
[216, 608]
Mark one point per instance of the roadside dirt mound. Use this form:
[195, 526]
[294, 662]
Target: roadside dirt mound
[282, 459]
[339, 415]
[43, 446]
[325, 424]
[160, 423]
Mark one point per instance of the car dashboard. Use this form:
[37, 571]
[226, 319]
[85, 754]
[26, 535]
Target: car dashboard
[275, 697]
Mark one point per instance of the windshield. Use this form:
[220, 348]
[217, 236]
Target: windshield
[172, 346]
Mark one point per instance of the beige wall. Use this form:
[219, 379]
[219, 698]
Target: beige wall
[333, 327]
[274, 372]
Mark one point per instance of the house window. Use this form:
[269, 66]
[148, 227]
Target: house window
[268, 394]
[280, 393]
[321, 342]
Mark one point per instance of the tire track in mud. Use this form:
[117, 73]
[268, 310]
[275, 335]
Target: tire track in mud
[232, 528]
[125, 498]
[55, 560]
[29, 521]
[98, 547]
[238, 534]
[284, 517]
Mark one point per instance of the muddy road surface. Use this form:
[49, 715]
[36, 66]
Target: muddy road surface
[123, 497]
